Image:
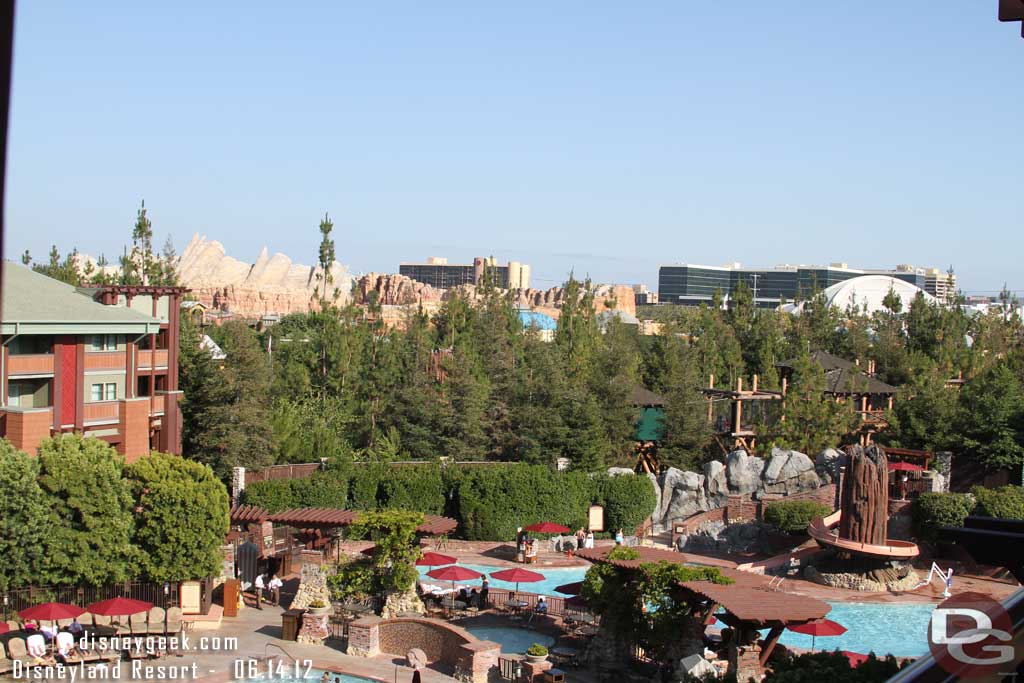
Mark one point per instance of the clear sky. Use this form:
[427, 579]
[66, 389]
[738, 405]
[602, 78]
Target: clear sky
[606, 137]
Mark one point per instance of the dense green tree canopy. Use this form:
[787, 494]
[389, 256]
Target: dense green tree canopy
[91, 523]
[25, 523]
[181, 517]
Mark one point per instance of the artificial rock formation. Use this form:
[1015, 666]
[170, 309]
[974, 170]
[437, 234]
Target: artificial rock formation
[312, 587]
[273, 284]
[865, 496]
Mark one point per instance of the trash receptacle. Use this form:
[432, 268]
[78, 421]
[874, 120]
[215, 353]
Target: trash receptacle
[291, 622]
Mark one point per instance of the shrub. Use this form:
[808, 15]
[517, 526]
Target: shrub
[793, 516]
[933, 510]
[355, 579]
[416, 488]
[1006, 502]
[273, 494]
[537, 650]
[628, 500]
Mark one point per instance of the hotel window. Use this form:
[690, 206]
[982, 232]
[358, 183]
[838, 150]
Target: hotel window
[96, 392]
[103, 392]
[104, 342]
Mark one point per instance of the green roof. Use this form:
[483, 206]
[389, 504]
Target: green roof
[36, 304]
[651, 426]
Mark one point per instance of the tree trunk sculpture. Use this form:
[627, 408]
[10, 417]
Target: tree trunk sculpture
[865, 502]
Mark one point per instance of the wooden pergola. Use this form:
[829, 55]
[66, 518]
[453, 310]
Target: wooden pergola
[750, 604]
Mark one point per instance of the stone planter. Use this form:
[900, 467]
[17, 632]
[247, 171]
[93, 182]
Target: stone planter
[536, 659]
[318, 610]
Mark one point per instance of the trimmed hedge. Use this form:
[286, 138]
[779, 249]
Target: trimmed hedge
[793, 516]
[933, 510]
[489, 502]
[1006, 502]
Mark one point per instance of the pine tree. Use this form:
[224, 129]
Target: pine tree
[814, 420]
[687, 432]
[325, 290]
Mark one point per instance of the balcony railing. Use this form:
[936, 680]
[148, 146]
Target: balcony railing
[101, 411]
[104, 360]
[30, 364]
[150, 359]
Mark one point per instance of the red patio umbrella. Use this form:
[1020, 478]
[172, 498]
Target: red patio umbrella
[820, 627]
[855, 658]
[904, 467]
[119, 607]
[548, 528]
[577, 601]
[51, 611]
[574, 588]
[454, 574]
[435, 560]
[517, 576]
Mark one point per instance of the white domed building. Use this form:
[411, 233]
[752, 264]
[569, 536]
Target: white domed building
[866, 292]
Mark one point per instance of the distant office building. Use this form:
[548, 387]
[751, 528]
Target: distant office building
[440, 274]
[643, 296]
[693, 285]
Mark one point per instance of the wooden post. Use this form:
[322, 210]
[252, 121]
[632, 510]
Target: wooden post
[769, 643]
[754, 387]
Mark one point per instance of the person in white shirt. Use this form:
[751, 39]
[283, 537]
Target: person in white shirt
[275, 589]
[589, 542]
[259, 591]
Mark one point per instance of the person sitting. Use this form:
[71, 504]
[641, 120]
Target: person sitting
[49, 631]
[531, 552]
[75, 628]
[474, 598]
[541, 608]
[36, 646]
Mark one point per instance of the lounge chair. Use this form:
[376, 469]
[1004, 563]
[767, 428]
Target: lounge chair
[64, 643]
[17, 650]
[157, 621]
[174, 623]
[36, 648]
[64, 623]
[13, 625]
[6, 665]
[138, 625]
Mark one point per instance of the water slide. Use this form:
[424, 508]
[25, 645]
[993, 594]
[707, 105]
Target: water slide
[822, 530]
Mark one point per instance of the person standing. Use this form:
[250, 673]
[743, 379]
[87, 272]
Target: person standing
[485, 588]
[416, 675]
[589, 541]
[275, 589]
[259, 585]
[619, 538]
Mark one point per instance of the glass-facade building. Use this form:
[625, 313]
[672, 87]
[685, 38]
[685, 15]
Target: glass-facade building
[693, 285]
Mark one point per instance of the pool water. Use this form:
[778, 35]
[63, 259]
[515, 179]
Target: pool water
[552, 577]
[885, 629]
[512, 640]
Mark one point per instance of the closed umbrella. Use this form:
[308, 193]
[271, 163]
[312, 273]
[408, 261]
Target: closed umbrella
[119, 607]
[855, 658]
[819, 627]
[435, 560]
[574, 588]
[51, 611]
[548, 528]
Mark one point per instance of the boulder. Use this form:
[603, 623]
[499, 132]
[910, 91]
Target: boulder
[619, 471]
[786, 465]
[692, 481]
[715, 478]
[685, 503]
[743, 472]
[827, 464]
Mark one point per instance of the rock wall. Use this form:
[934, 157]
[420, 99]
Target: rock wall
[312, 587]
[684, 494]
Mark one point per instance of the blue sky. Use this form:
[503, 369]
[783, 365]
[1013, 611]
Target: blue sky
[605, 137]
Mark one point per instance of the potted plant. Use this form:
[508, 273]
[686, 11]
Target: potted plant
[318, 607]
[536, 653]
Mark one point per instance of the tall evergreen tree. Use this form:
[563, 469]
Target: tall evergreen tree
[813, 420]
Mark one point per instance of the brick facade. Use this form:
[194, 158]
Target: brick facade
[472, 659]
[133, 424]
[27, 428]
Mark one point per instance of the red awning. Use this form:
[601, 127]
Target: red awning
[904, 467]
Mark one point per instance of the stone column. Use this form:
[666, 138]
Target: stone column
[533, 670]
[314, 629]
[237, 484]
[364, 637]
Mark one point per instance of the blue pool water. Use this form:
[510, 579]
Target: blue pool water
[512, 640]
[900, 630]
[552, 577]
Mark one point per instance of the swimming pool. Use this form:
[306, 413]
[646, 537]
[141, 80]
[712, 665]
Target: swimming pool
[885, 629]
[553, 577]
[512, 640]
